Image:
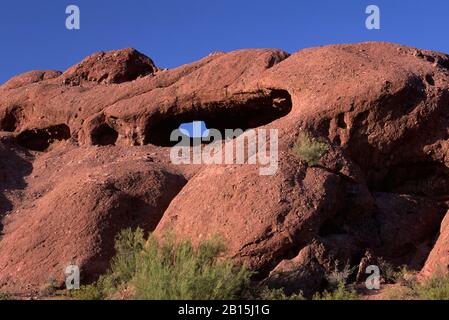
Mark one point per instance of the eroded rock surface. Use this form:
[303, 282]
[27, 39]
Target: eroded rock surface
[85, 153]
[438, 260]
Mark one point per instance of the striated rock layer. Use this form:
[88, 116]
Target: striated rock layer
[85, 153]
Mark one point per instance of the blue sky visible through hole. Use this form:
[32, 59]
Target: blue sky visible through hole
[195, 129]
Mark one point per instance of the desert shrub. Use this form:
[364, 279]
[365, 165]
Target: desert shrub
[50, 288]
[90, 292]
[180, 271]
[340, 293]
[340, 276]
[337, 280]
[277, 294]
[309, 149]
[405, 277]
[129, 246]
[436, 288]
[388, 271]
[173, 270]
[400, 293]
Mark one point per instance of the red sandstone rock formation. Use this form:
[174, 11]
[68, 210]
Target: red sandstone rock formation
[438, 260]
[85, 153]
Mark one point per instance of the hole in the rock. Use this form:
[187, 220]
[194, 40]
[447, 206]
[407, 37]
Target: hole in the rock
[444, 62]
[104, 135]
[429, 179]
[341, 123]
[41, 139]
[10, 121]
[430, 80]
[196, 131]
[337, 141]
[250, 113]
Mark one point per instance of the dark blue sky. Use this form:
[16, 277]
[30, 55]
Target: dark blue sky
[174, 32]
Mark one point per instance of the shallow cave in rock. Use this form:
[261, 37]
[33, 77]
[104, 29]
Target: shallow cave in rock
[9, 123]
[41, 139]
[252, 113]
[420, 181]
[425, 179]
[104, 135]
[11, 120]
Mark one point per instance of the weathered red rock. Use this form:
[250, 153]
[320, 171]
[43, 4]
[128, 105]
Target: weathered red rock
[110, 67]
[438, 260]
[76, 203]
[31, 77]
[77, 147]
[406, 224]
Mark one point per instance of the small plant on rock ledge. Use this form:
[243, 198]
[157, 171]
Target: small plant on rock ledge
[309, 150]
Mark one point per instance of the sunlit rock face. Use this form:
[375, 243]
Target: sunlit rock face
[85, 153]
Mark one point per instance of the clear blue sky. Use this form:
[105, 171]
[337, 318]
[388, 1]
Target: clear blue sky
[174, 32]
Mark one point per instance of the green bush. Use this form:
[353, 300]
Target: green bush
[400, 293]
[309, 150]
[277, 294]
[340, 276]
[341, 293]
[173, 270]
[436, 288]
[179, 271]
[405, 277]
[388, 271]
[129, 246]
[91, 292]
